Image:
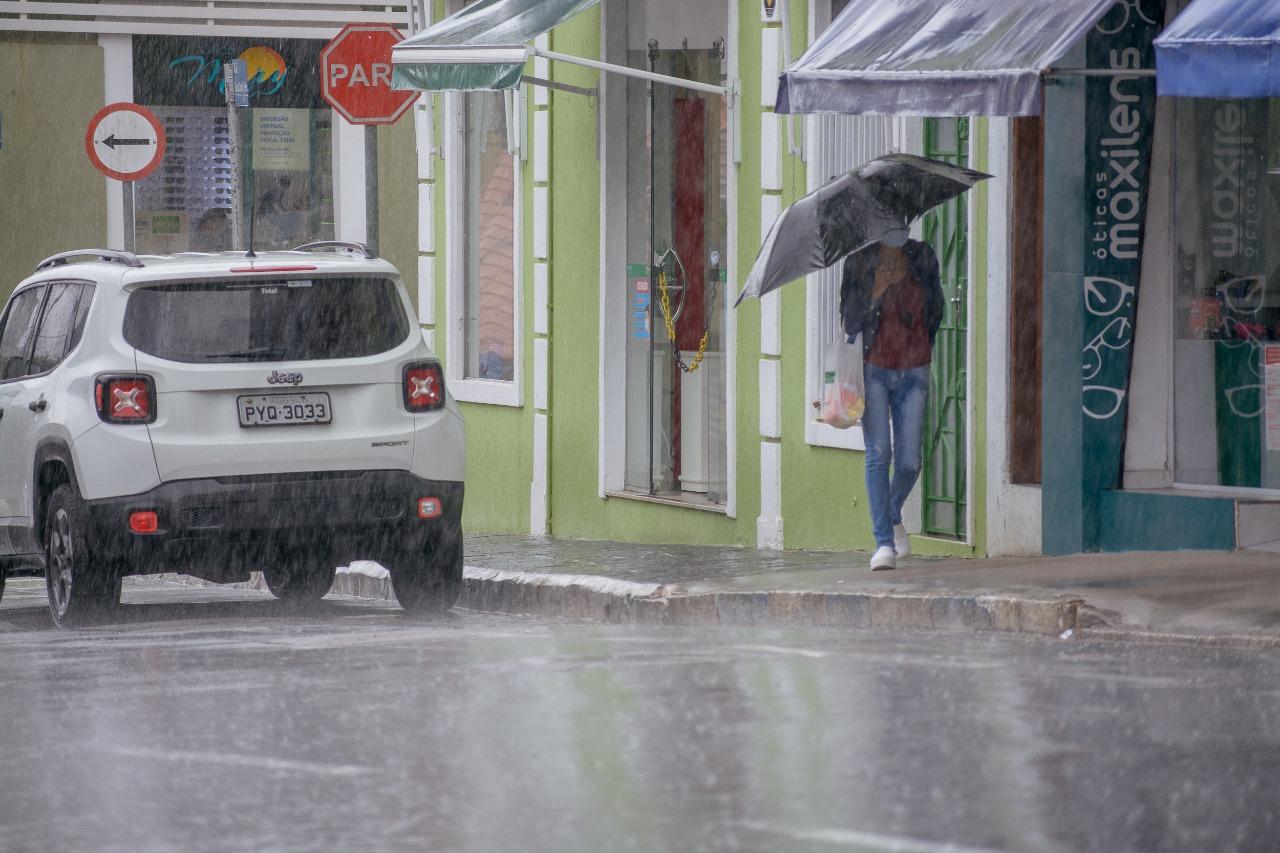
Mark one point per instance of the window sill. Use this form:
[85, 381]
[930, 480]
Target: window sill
[490, 392]
[698, 503]
[823, 435]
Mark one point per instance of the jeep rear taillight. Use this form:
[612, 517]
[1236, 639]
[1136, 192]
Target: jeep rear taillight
[125, 399]
[423, 386]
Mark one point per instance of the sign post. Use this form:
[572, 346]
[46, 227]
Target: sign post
[125, 141]
[355, 75]
[236, 88]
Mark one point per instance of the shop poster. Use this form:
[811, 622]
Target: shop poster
[1271, 379]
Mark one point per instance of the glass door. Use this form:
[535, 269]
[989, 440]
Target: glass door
[676, 239]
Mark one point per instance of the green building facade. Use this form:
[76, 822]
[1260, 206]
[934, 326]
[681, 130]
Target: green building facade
[589, 428]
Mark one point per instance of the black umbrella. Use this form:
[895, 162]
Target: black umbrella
[877, 201]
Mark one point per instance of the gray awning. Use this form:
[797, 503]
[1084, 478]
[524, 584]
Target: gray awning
[1221, 49]
[482, 46]
[936, 57]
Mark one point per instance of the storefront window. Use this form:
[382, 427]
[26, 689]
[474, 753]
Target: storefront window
[489, 199]
[1227, 352]
[285, 145]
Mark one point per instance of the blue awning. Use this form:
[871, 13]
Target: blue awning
[936, 57]
[1221, 49]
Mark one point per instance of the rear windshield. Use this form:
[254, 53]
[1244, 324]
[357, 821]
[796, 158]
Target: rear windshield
[263, 320]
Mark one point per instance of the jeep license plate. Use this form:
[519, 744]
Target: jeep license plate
[284, 409]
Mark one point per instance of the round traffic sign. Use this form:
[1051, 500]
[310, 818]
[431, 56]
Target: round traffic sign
[355, 75]
[125, 141]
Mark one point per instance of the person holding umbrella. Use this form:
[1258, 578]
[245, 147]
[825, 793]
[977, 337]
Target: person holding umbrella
[891, 295]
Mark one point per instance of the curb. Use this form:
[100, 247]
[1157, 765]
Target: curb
[610, 600]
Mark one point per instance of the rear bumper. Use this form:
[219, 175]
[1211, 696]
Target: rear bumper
[211, 521]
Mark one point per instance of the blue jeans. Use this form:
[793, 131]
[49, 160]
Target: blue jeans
[899, 394]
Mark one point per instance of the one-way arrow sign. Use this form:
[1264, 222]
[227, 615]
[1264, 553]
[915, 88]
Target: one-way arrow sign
[112, 142]
[125, 141]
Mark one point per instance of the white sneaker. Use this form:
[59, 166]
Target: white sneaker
[884, 558]
[901, 541]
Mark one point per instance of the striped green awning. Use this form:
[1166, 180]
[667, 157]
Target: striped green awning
[483, 46]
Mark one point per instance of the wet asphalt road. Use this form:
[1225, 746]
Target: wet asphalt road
[215, 719]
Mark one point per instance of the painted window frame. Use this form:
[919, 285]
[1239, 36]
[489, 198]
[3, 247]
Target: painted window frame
[494, 392]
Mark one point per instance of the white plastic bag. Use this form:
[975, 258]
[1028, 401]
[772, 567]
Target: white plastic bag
[842, 388]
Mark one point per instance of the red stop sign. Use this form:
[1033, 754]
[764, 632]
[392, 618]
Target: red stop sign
[355, 75]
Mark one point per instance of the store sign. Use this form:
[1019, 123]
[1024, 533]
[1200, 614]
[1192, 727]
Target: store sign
[281, 140]
[1119, 120]
[185, 71]
[355, 75]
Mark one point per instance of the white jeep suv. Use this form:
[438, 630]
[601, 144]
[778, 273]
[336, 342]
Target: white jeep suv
[217, 414]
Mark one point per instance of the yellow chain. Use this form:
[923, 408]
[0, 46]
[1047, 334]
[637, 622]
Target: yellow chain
[665, 301]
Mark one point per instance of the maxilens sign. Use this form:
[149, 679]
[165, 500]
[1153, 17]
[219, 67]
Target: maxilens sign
[1233, 201]
[1120, 185]
[1119, 119]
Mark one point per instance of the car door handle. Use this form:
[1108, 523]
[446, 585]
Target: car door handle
[38, 405]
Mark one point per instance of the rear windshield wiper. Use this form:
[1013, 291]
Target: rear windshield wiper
[254, 354]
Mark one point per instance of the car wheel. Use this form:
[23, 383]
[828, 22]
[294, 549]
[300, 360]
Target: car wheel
[429, 580]
[82, 586]
[300, 578]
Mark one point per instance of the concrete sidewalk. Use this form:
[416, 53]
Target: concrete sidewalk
[1210, 596]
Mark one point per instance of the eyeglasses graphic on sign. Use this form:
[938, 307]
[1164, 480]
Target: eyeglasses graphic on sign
[1116, 336]
[1109, 27]
[1101, 401]
[1105, 296]
[1245, 401]
[1245, 294]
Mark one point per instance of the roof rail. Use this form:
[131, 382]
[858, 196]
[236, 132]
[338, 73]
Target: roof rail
[129, 259]
[336, 244]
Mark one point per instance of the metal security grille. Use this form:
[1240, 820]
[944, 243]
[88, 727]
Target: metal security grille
[843, 143]
[944, 475]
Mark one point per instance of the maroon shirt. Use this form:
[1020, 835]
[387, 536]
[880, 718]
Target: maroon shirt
[902, 339]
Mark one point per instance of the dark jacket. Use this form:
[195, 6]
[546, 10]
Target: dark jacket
[862, 316]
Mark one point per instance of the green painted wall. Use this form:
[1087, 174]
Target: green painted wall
[824, 503]
[499, 438]
[576, 511]
[398, 199]
[54, 200]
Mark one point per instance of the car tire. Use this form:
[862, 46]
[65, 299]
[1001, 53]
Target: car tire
[300, 578]
[429, 580]
[83, 586]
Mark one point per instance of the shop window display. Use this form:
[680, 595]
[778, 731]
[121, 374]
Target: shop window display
[285, 145]
[1227, 352]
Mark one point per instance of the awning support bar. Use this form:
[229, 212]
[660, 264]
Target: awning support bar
[1100, 72]
[631, 72]
[560, 87]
